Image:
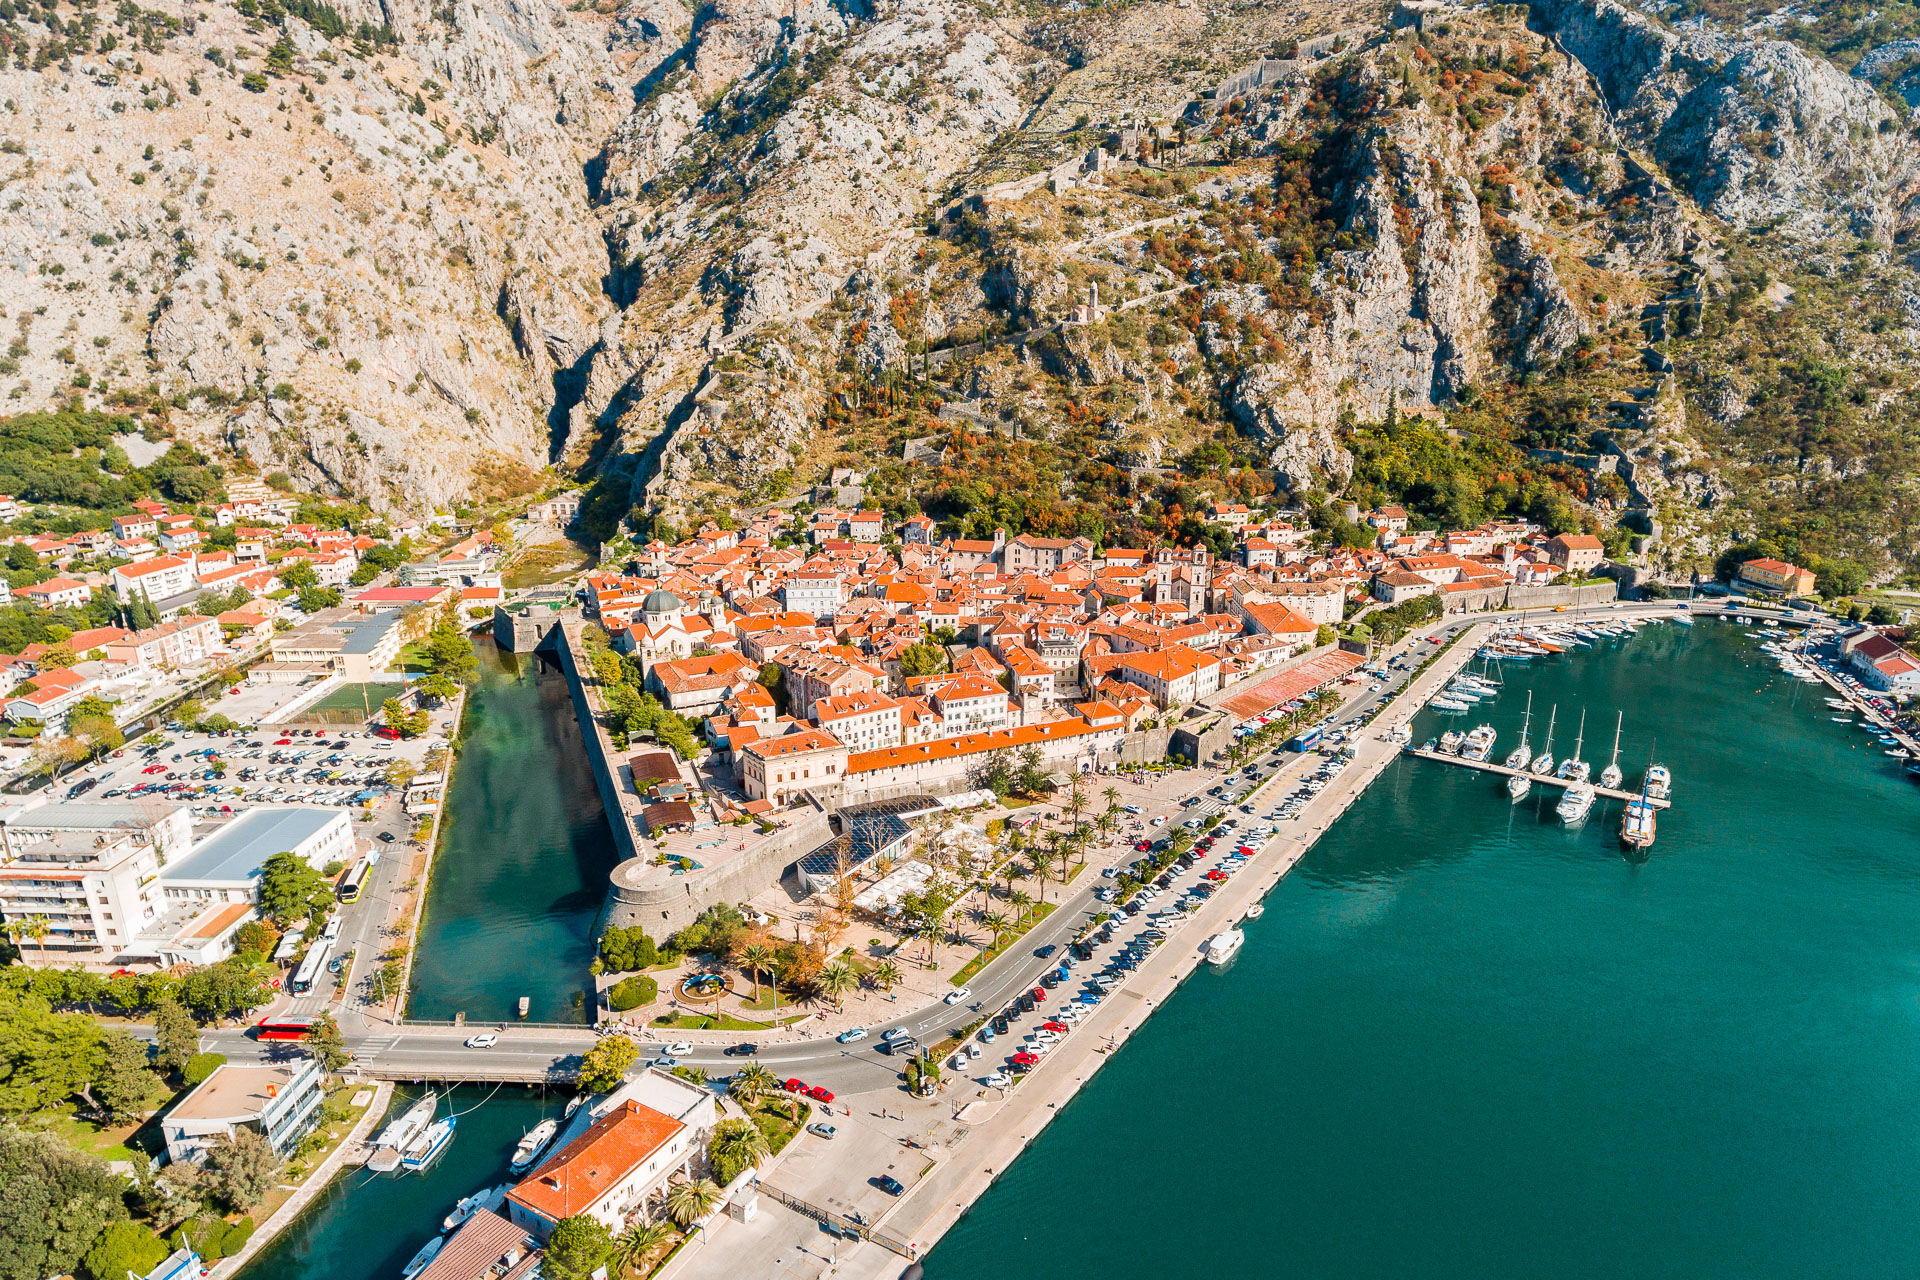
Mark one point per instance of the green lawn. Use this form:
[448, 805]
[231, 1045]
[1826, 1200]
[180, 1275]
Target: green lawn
[1040, 912]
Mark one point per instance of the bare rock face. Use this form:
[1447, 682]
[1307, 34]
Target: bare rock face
[1757, 131]
[1549, 324]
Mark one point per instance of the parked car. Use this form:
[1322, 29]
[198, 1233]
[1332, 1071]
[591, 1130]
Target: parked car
[819, 1093]
[821, 1129]
[889, 1184]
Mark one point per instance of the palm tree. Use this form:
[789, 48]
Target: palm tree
[756, 956]
[886, 975]
[929, 931]
[689, 1202]
[996, 921]
[32, 929]
[1112, 796]
[1022, 902]
[631, 1247]
[836, 979]
[740, 1143]
[754, 1082]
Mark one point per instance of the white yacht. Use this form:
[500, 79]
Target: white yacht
[532, 1145]
[1447, 704]
[427, 1148]
[1611, 777]
[1543, 763]
[1659, 784]
[1517, 787]
[1255, 911]
[485, 1198]
[1450, 742]
[1575, 803]
[400, 1134]
[1478, 744]
[1522, 755]
[1224, 946]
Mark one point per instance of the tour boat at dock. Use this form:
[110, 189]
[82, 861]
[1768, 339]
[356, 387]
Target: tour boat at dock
[427, 1148]
[1637, 824]
[1478, 744]
[1224, 946]
[1576, 803]
[400, 1133]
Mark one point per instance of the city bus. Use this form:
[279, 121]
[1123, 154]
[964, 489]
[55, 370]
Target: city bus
[312, 967]
[284, 1028]
[349, 890]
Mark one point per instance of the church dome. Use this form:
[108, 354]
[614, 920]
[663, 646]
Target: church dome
[661, 600]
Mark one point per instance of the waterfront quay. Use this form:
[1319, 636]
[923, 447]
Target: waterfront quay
[1489, 766]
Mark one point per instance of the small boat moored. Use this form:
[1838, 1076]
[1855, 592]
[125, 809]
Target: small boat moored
[532, 1145]
[1224, 946]
[419, 1262]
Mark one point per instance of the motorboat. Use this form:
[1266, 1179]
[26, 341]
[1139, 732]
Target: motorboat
[1450, 742]
[427, 1148]
[1659, 782]
[400, 1134]
[1522, 755]
[1257, 910]
[1478, 744]
[418, 1263]
[1611, 777]
[532, 1145]
[1576, 803]
[1224, 946]
[485, 1198]
[1444, 703]
[1518, 786]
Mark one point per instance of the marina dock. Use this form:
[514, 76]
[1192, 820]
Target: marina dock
[1487, 766]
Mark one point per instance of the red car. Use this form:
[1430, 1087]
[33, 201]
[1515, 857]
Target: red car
[1053, 1025]
[1141, 846]
[283, 742]
[1024, 1059]
[1216, 875]
[795, 1086]
[819, 1094]
[1040, 995]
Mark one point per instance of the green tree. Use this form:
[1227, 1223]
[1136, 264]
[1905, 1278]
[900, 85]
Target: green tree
[836, 979]
[734, 1147]
[327, 1045]
[242, 1166]
[54, 1204]
[689, 1202]
[632, 1247]
[290, 887]
[439, 687]
[604, 1066]
[923, 659]
[140, 612]
[125, 1248]
[408, 724]
[122, 1080]
[297, 575]
[178, 1036]
[314, 599]
[200, 1066]
[754, 1082]
[756, 957]
[577, 1248]
[450, 651]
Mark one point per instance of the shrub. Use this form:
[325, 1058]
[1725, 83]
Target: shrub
[631, 993]
[200, 1066]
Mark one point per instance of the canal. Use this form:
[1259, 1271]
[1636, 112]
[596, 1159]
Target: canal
[521, 873]
[366, 1226]
[1467, 1041]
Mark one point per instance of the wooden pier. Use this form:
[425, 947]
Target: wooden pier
[1487, 766]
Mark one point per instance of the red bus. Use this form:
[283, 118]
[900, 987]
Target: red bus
[284, 1028]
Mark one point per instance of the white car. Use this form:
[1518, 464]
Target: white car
[679, 1049]
[998, 1080]
[955, 997]
[485, 1040]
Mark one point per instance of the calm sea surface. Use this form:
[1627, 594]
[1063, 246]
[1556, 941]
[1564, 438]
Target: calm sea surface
[1466, 1041]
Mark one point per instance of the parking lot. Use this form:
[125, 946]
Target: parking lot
[222, 775]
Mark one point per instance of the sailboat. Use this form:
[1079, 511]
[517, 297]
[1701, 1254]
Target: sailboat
[1637, 823]
[1543, 763]
[1520, 755]
[1518, 785]
[1611, 777]
[1573, 768]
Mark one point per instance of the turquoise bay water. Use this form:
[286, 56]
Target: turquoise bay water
[1464, 1041]
[521, 874]
[366, 1227]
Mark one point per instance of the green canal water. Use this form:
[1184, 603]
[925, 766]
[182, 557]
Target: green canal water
[525, 849]
[1465, 1041]
[366, 1226]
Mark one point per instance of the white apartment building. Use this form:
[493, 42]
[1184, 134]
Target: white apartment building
[863, 721]
[817, 595]
[158, 579]
[779, 769]
[972, 704]
[91, 871]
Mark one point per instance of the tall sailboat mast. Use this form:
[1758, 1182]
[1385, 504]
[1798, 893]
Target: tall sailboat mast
[1611, 776]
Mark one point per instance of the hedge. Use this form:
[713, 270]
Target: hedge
[631, 993]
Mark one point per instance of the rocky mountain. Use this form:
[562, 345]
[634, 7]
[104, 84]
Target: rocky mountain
[1161, 252]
